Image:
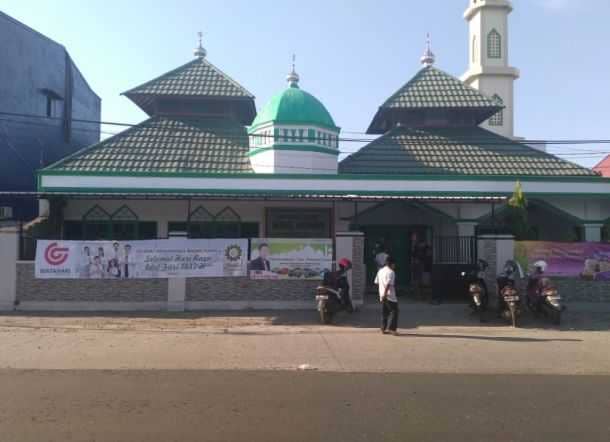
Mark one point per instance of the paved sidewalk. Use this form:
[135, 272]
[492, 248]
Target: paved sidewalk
[434, 340]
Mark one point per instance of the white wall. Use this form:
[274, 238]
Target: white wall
[294, 162]
[9, 253]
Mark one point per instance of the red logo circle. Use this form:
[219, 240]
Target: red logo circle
[55, 255]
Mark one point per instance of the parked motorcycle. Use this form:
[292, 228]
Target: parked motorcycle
[542, 296]
[509, 300]
[477, 289]
[332, 296]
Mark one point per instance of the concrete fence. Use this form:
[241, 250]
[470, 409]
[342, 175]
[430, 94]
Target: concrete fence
[20, 290]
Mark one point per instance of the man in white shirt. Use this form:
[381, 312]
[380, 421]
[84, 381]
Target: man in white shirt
[386, 278]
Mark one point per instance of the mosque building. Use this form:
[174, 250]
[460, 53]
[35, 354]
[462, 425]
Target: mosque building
[441, 168]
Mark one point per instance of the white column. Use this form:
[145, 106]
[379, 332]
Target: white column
[344, 243]
[9, 254]
[593, 232]
[176, 291]
[44, 208]
[466, 228]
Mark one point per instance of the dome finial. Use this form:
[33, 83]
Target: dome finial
[428, 58]
[293, 77]
[199, 51]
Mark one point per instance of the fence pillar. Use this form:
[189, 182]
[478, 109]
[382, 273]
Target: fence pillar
[466, 228]
[350, 245]
[9, 255]
[176, 287]
[496, 250]
[176, 294]
[593, 232]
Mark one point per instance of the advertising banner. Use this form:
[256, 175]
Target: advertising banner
[586, 260]
[166, 258]
[290, 258]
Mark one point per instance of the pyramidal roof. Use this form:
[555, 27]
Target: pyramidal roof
[455, 151]
[434, 89]
[164, 144]
[197, 79]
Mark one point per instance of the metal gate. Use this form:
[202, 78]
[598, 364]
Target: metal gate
[453, 255]
[455, 250]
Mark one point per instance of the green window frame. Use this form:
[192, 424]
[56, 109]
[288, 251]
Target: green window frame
[225, 224]
[99, 225]
[494, 44]
[311, 135]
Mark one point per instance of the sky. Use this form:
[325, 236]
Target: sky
[351, 54]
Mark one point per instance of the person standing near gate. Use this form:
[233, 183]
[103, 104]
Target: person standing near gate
[386, 280]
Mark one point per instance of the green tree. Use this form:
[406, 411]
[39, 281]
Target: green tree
[516, 214]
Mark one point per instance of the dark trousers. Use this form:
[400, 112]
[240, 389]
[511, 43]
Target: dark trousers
[389, 309]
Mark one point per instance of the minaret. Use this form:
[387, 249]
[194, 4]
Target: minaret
[489, 70]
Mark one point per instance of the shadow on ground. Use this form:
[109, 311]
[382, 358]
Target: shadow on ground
[413, 316]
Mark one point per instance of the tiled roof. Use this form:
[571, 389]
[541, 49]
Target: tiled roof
[196, 78]
[455, 151]
[164, 144]
[433, 88]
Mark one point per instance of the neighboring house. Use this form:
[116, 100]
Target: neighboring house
[42, 92]
[603, 167]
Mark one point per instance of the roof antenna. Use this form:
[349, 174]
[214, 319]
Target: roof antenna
[428, 58]
[293, 77]
[199, 51]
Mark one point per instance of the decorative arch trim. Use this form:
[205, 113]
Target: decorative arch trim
[97, 213]
[201, 214]
[124, 213]
[227, 215]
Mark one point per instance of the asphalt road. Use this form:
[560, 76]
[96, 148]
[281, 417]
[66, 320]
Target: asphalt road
[162, 405]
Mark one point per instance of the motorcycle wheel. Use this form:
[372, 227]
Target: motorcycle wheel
[326, 317]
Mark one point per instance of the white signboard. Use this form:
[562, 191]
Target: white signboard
[166, 258]
[280, 258]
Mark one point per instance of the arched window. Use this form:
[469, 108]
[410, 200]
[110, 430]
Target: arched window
[124, 224]
[498, 118]
[474, 49]
[228, 224]
[494, 44]
[97, 224]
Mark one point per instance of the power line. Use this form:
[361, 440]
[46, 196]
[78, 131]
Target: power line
[378, 149]
[359, 140]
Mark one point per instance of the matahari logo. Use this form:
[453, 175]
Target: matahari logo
[55, 255]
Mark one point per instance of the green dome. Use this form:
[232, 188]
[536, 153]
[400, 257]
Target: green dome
[295, 106]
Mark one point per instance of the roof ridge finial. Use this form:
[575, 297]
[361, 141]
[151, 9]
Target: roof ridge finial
[428, 58]
[293, 78]
[199, 51]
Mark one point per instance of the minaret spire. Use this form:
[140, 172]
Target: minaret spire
[428, 58]
[293, 77]
[199, 51]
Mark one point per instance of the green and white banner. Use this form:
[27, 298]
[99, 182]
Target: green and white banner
[279, 258]
[166, 258]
